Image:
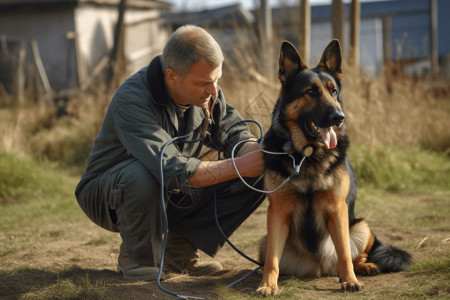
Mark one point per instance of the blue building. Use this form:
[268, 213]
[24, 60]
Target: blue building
[410, 37]
[410, 32]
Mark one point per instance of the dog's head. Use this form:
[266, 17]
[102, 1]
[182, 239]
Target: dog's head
[310, 105]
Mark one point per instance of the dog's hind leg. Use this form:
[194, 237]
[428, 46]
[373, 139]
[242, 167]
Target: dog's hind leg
[361, 242]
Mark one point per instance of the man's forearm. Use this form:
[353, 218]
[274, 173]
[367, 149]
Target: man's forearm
[213, 172]
[250, 164]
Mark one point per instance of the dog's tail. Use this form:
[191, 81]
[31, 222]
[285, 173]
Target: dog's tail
[389, 258]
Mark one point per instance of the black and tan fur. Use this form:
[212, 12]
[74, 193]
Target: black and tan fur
[312, 227]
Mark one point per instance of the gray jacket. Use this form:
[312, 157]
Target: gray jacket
[141, 118]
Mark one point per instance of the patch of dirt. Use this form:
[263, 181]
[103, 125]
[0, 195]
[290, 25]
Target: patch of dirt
[83, 250]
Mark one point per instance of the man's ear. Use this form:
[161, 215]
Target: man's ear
[171, 76]
[332, 59]
[290, 62]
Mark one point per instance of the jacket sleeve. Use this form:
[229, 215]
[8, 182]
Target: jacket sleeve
[226, 117]
[140, 133]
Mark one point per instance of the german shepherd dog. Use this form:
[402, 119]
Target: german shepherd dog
[312, 227]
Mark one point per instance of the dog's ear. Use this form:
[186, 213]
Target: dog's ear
[332, 59]
[290, 62]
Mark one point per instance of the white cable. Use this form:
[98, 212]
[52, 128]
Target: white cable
[297, 167]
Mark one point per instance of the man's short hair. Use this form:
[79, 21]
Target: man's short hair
[187, 45]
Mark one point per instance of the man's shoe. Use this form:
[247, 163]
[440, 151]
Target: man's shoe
[134, 271]
[140, 272]
[182, 256]
[203, 268]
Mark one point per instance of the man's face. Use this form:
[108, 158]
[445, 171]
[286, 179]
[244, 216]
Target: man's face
[197, 86]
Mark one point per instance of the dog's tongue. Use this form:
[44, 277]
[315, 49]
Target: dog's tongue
[328, 137]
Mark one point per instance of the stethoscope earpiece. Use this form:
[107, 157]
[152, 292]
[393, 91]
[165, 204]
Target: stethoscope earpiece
[307, 151]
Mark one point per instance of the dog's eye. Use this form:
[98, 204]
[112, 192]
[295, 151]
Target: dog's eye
[334, 92]
[311, 92]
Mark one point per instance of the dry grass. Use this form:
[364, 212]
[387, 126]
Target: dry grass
[406, 115]
[66, 140]
[50, 249]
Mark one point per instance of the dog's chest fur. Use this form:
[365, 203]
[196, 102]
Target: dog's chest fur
[319, 173]
[308, 226]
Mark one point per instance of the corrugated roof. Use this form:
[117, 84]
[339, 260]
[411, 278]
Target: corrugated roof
[229, 14]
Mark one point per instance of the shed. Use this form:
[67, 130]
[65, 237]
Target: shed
[230, 25]
[73, 36]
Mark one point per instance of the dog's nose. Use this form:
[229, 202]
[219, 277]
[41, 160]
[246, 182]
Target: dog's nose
[337, 118]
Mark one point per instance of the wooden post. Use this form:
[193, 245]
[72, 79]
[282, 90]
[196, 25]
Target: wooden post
[21, 74]
[338, 21]
[387, 52]
[4, 44]
[41, 71]
[387, 44]
[354, 33]
[81, 64]
[117, 56]
[266, 36]
[434, 39]
[305, 31]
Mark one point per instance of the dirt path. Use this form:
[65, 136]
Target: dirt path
[45, 256]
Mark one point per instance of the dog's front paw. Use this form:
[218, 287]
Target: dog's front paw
[352, 286]
[266, 290]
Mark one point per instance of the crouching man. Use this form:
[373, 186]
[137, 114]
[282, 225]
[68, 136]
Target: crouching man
[176, 94]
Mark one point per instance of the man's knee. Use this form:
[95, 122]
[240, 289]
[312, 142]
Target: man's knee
[137, 187]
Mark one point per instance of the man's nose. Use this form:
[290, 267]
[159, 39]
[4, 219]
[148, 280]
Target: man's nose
[212, 89]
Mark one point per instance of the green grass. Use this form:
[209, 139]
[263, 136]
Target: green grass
[406, 170]
[24, 179]
[433, 274]
[411, 170]
[33, 192]
[66, 288]
[37, 205]
[432, 264]
[72, 283]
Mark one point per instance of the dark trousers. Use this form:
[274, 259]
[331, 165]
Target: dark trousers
[126, 199]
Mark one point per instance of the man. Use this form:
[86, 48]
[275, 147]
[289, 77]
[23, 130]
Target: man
[119, 191]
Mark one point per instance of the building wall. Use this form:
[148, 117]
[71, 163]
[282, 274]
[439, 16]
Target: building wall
[95, 29]
[371, 42]
[144, 37]
[48, 26]
[61, 30]
[410, 35]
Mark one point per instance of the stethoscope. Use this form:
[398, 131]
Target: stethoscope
[288, 149]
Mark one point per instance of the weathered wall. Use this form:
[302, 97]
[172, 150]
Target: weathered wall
[49, 27]
[144, 36]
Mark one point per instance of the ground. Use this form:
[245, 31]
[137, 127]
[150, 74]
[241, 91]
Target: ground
[49, 257]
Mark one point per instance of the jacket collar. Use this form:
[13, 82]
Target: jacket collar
[155, 80]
